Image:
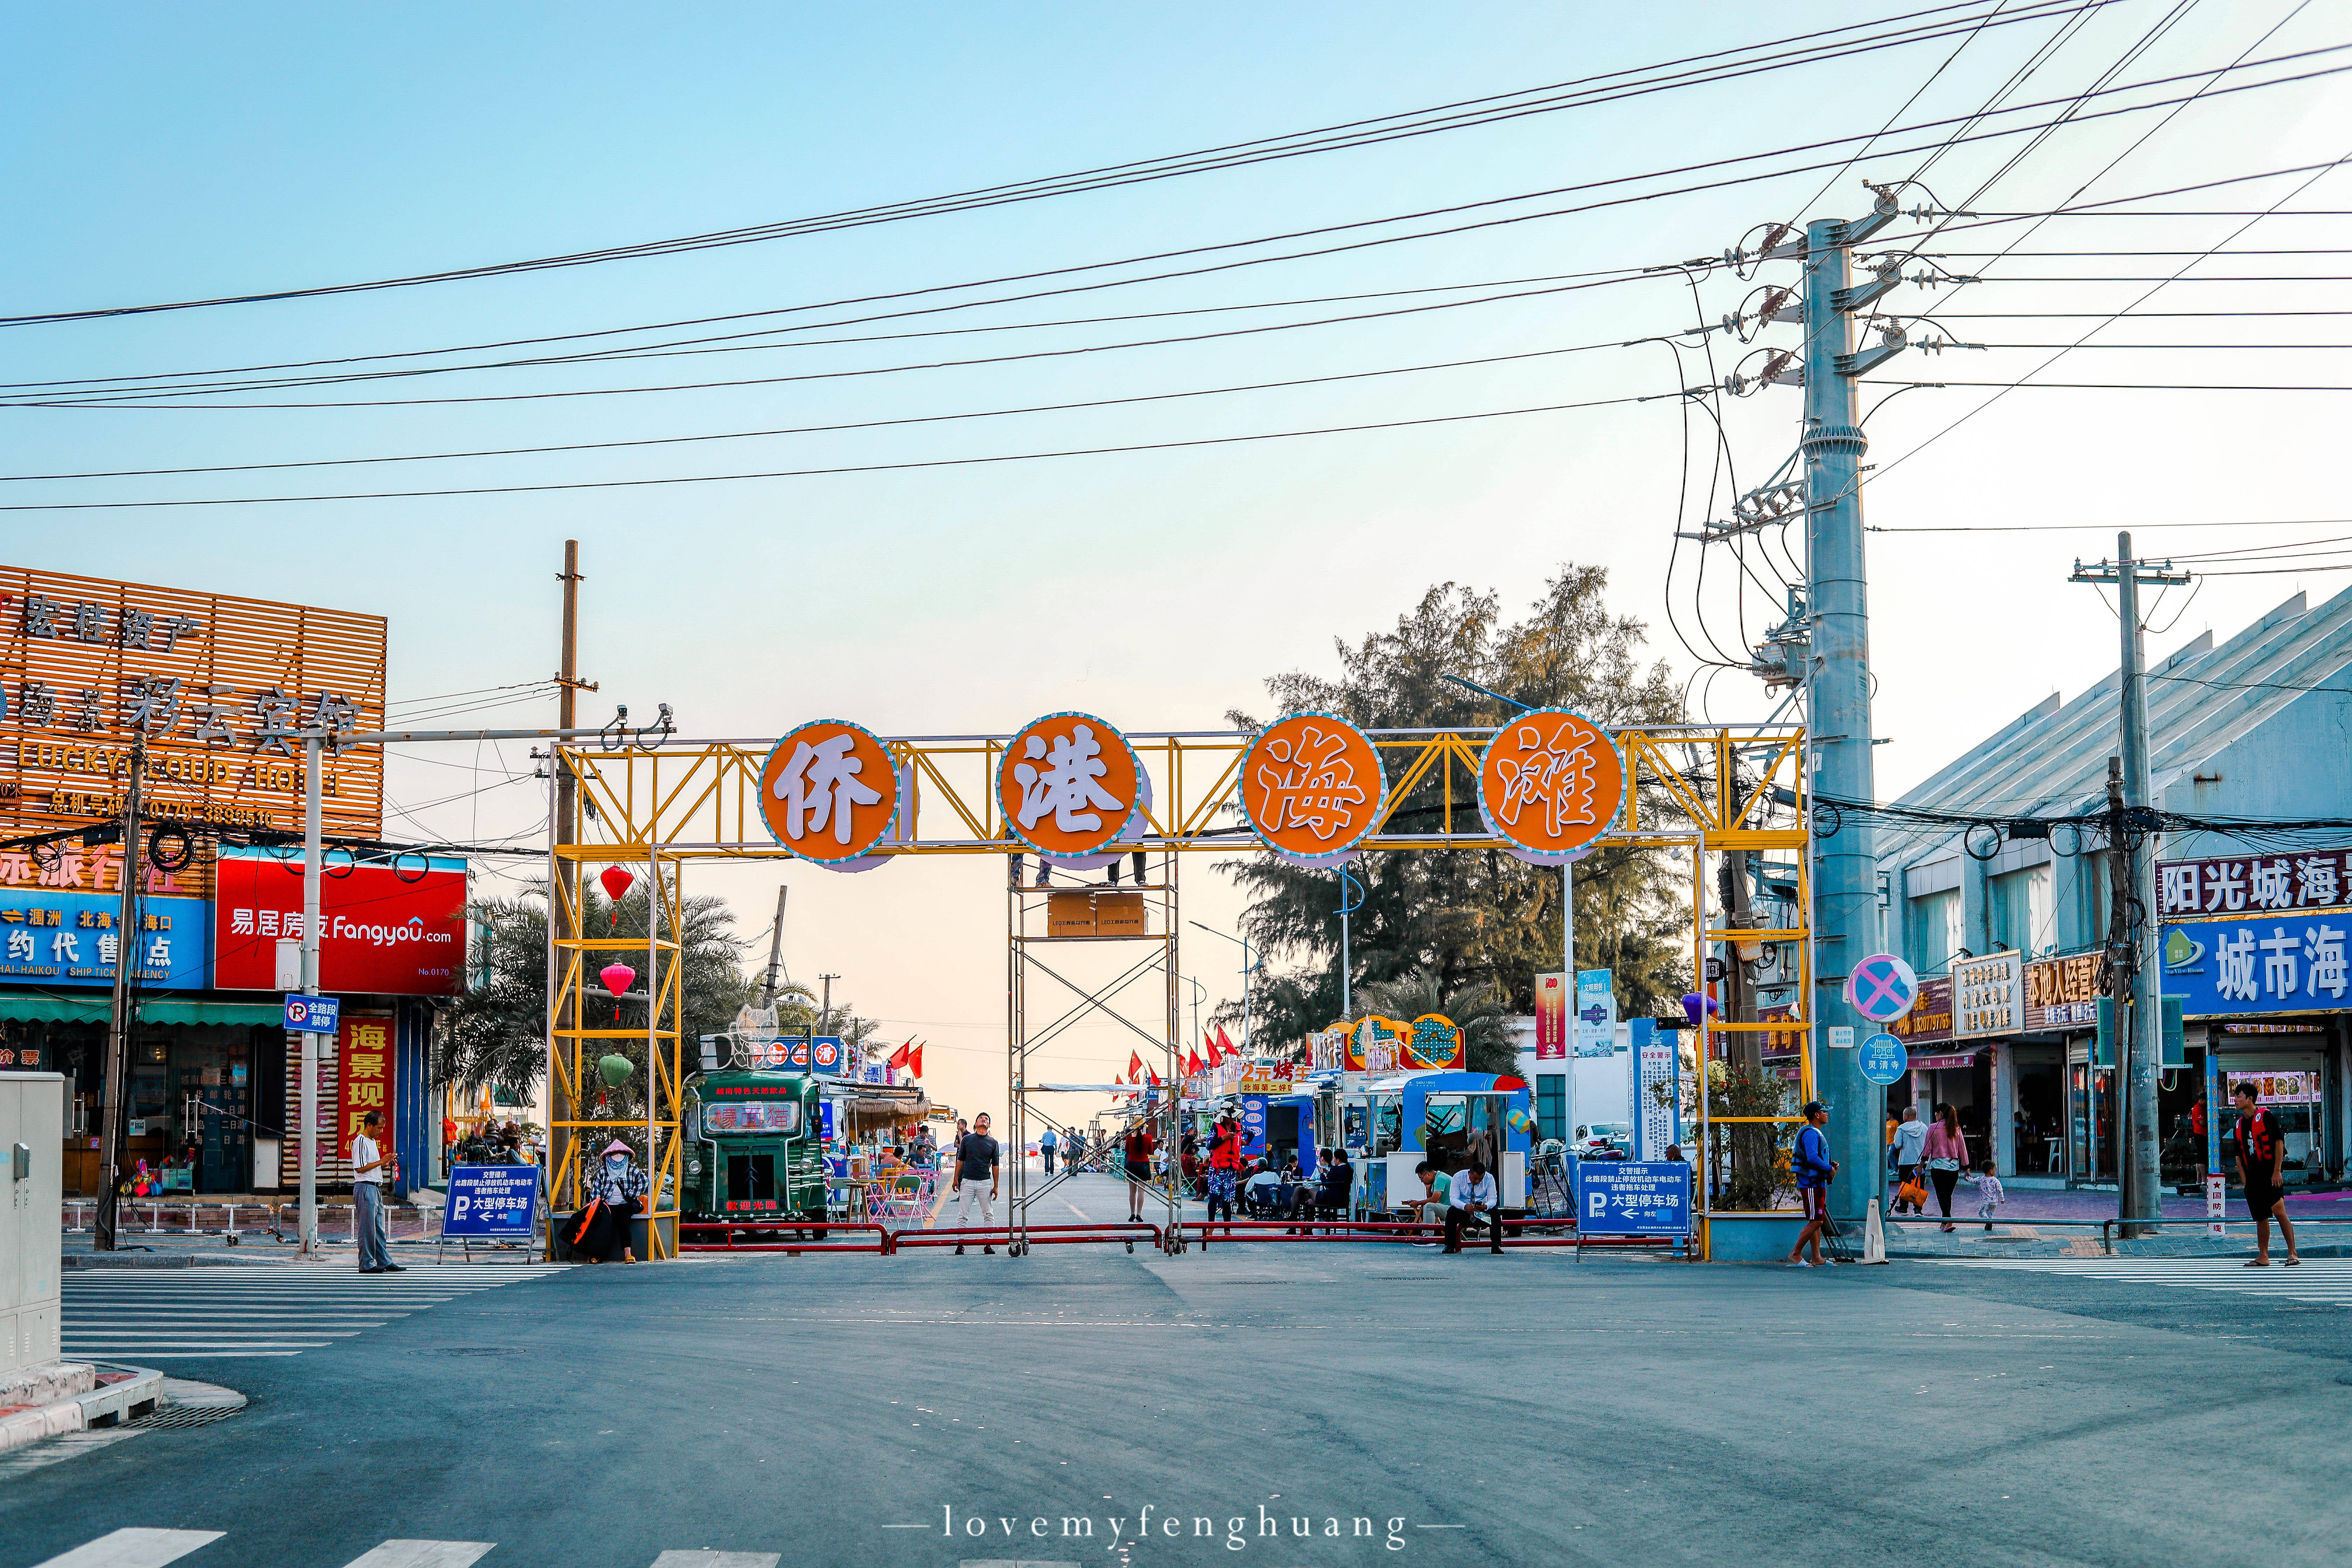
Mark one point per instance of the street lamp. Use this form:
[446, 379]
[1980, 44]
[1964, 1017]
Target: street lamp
[1249, 965]
[1346, 909]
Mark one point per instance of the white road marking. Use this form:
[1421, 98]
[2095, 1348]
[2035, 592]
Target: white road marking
[135, 1549]
[422, 1555]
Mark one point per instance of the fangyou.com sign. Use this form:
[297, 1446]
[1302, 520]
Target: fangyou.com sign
[383, 929]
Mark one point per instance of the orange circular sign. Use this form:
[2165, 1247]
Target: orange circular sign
[1312, 787]
[828, 790]
[1551, 781]
[1068, 783]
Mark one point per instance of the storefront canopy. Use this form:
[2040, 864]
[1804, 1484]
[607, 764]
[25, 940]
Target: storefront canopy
[98, 1007]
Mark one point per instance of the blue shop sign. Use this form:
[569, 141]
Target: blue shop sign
[55, 937]
[2259, 963]
[1253, 1126]
[490, 1201]
[1632, 1197]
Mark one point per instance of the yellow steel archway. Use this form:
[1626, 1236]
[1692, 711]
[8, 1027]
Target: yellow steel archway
[1712, 789]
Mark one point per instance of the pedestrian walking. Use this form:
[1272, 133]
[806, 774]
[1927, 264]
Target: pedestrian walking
[1137, 1151]
[1903, 1154]
[1946, 1155]
[369, 1164]
[1045, 1146]
[1814, 1171]
[1472, 1195]
[976, 1159]
[2262, 1169]
[1225, 1171]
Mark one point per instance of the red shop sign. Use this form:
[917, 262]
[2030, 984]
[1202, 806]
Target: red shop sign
[384, 931]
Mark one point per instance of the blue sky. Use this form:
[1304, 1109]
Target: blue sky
[163, 153]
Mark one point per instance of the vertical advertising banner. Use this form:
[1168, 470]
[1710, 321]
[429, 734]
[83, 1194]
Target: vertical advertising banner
[365, 1080]
[1552, 1017]
[1596, 1013]
[1657, 1116]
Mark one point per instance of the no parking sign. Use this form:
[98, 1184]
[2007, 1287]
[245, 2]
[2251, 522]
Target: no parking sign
[1882, 988]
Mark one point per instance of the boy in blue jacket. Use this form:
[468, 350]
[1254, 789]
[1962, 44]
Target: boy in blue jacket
[1814, 1168]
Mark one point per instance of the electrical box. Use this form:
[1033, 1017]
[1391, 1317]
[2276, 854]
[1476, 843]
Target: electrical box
[1093, 913]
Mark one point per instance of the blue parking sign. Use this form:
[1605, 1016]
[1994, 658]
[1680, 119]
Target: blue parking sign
[1632, 1197]
[494, 1202]
[312, 1014]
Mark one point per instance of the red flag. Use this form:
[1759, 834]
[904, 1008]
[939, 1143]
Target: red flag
[915, 1060]
[1193, 1063]
[899, 1056]
[1134, 1068]
[1225, 1042]
[1155, 1076]
[1209, 1045]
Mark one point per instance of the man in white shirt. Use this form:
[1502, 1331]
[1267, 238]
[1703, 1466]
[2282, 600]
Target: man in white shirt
[369, 1164]
[1471, 1197]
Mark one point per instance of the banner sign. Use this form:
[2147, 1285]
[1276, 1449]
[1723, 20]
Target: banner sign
[59, 938]
[2253, 884]
[1596, 1013]
[1632, 1197]
[1987, 995]
[2263, 966]
[491, 1202]
[2063, 992]
[1657, 1110]
[1930, 1019]
[1552, 1017]
[366, 1083]
[1253, 1126]
[389, 929]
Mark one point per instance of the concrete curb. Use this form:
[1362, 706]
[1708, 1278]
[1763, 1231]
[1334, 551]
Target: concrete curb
[132, 1392]
[225, 1257]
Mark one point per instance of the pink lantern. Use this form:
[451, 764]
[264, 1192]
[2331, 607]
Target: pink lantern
[617, 977]
[617, 880]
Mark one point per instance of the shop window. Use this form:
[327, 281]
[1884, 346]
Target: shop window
[2024, 913]
[1551, 1105]
[1935, 931]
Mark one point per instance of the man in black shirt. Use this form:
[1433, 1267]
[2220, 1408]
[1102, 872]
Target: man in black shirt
[976, 1156]
[1337, 1187]
[2262, 1168]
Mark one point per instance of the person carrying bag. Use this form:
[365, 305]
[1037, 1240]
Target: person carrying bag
[1946, 1155]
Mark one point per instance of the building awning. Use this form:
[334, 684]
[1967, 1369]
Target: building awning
[94, 1009]
[99, 1006]
[213, 1013]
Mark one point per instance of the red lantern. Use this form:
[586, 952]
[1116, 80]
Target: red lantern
[617, 880]
[617, 977]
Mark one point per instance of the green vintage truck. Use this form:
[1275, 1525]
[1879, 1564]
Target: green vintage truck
[754, 1148]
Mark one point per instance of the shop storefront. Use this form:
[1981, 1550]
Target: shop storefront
[2255, 947]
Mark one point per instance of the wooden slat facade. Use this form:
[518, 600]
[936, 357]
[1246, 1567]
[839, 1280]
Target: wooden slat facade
[84, 659]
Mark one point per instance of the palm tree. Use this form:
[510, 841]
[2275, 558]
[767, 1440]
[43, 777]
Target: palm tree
[1476, 1008]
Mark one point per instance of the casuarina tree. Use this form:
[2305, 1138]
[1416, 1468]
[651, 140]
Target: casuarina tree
[1466, 918]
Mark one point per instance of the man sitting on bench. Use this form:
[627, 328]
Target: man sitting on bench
[1472, 1198]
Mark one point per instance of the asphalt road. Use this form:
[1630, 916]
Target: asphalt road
[1529, 1408]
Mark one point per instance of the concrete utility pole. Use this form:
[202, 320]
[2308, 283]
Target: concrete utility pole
[825, 1019]
[2138, 977]
[1846, 875]
[775, 952]
[565, 824]
[313, 868]
[117, 1034]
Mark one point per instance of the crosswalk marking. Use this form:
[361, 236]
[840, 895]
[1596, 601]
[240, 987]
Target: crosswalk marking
[256, 1309]
[135, 1549]
[2321, 1279]
[422, 1555]
[156, 1548]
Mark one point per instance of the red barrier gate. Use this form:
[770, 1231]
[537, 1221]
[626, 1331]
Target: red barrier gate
[732, 1233]
[1034, 1235]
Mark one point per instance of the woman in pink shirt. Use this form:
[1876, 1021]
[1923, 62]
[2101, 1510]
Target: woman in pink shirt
[1946, 1155]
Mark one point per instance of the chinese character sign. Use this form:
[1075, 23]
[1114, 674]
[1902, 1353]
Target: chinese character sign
[1311, 785]
[211, 684]
[1550, 782]
[1552, 1017]
[490, 1201]
[1930, 1019]
[1632, 1197]
[1434, 1045]
[829, 791]
[366, 1083]
[395, 928]
[63, 938]
[2252, 884]
[2063, 992]
[1069, 785]
[2221, 968]
[1987, 995]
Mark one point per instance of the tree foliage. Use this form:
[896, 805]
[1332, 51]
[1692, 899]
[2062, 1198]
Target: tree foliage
[496, 1035]
[1462, 919]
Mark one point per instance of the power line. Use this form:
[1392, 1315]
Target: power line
[848, 425]
[1386, 240]
[1326, 139]
[2107, 527]
[851, 467]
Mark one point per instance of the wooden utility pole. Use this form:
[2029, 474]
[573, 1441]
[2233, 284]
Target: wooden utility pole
[775, 952]
[566, 893]
[115, 1107]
